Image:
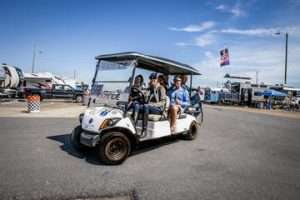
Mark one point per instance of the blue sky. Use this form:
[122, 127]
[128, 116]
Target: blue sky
[71, 33]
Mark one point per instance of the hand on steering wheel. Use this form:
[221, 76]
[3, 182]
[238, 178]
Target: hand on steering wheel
[141, 96]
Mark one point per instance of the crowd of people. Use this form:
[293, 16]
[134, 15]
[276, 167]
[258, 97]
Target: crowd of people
[160, 98]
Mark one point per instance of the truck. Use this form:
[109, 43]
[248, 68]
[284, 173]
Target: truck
[57, 91]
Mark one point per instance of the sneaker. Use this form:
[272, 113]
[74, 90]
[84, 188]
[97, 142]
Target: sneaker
[173, 130]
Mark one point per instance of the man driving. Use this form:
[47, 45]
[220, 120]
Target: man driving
[135, 96]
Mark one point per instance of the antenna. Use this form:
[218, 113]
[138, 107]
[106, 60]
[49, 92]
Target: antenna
[74, 74]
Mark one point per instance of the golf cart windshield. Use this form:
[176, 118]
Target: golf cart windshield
[112, 82]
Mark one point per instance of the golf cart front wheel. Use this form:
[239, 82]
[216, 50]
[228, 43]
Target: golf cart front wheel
[75, 139]
[114, 148]
[192, 133]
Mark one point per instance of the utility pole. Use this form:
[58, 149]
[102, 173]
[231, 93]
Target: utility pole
[33, 59]
[286, 54]
[286, 57]
[74, 75]
[256, 74]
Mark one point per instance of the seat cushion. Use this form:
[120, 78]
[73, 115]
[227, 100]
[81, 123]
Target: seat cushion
[129, 114]
[182, 116]
[154, 118]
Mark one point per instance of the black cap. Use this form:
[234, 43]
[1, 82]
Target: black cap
[154, 75]
[177, 78]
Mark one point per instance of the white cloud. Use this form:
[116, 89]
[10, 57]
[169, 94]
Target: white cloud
[221, 7]
[182, 44]
[209, 67]
[234, 10]
[245, 60]
[204, 40]
[262, 31]
[195, 28]
[200, 41]
[208, 54]
[256, 32]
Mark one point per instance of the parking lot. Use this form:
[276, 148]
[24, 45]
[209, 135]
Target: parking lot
[238, 155]
[49, 108]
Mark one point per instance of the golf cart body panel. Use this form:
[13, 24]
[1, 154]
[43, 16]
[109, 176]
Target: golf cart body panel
[159, 129]
[94, 117]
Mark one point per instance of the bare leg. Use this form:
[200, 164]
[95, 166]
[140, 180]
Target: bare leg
[173, 116]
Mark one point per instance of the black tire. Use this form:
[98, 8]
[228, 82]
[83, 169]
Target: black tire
[192, 133]
[75, 139]
[114, 148]
[41, 98]
[199, 118]
[78, 99]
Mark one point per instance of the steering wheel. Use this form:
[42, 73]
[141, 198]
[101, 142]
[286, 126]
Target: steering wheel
[140, 95]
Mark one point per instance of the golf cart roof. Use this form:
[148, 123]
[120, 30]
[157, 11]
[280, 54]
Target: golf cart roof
[154, 63]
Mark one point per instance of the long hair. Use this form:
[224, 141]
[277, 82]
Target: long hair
[141, 77]
[162, 79]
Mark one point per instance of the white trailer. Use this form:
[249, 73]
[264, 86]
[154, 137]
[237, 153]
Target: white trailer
[11, 78]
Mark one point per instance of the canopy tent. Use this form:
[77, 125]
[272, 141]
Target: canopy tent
[273, 93]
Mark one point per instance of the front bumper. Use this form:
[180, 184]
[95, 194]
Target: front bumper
[89, 139]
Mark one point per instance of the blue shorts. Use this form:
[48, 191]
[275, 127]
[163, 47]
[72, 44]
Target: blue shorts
[147, 109]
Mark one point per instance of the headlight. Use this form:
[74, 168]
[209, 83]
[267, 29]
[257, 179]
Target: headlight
[109, 122]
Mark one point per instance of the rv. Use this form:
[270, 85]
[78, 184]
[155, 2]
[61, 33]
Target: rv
[11, 78]
[248, 93]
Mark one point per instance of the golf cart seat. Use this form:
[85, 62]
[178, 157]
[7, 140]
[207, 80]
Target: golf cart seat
[151, 117]
[154, 118]
[182, 116]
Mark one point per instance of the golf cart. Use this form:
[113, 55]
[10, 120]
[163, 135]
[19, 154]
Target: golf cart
[107, 123]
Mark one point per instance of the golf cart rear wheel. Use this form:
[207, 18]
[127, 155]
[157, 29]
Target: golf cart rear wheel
[75, 139]
[199, 118]
[192, 133]
[114, 148]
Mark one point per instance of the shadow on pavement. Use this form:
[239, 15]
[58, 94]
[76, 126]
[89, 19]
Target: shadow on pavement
[90, 155]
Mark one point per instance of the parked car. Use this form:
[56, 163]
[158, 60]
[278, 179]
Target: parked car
[58, 91]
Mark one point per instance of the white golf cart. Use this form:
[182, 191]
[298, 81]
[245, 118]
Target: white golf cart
[108, 125]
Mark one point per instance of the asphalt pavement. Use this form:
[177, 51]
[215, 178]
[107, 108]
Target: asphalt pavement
[237, 155]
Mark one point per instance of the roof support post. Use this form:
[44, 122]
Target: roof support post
[191, 85]
[94, 80]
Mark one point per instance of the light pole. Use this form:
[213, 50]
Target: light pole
[33, 60]
[286, 54]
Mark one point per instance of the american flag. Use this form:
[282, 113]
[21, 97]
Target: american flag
[224, 57]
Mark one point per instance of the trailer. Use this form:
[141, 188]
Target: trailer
[11, 78]
[247, 93]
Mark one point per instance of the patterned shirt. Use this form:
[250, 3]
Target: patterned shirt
[181, 95]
